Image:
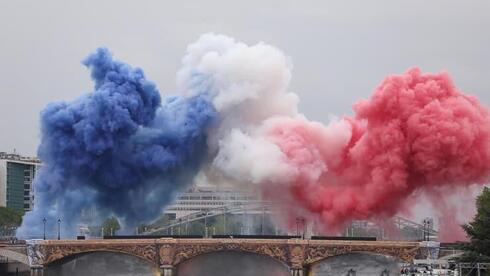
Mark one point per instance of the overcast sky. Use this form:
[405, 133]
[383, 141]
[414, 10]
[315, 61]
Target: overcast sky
[340, 49]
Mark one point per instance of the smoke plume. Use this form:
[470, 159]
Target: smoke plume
[417, 132]
[118, 150]
[124, 152]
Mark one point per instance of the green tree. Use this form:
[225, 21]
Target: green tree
[111, 226]
[478, 230]
[10, 217]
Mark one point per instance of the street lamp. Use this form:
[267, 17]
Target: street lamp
[205, 224]
[59, 229]
[224, 220]
[262, 221]
[426, 231]
[303, 224]
[297, 226]
[303, 220]
[187, 226]
[180, 225]
[44, 228]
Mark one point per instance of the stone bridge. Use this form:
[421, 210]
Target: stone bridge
[167, 253]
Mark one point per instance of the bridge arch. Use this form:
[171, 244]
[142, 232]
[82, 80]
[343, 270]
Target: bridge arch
[362, 262]
[233, 262]
[101, 262]
[184, 252]
[316, 252]
[60, 258]
[13, 255]
[45, 254]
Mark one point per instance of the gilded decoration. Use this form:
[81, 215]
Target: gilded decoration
[184, 252]
[296, 256]
[166, 254]
[56, 252]
[295, 253]
[315, 253]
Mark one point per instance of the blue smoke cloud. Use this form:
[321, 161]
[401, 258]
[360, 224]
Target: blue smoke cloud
[120, 150]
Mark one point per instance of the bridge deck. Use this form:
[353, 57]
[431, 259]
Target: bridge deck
[172, 251]
[228, 240]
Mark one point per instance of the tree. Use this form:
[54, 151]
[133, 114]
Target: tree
[10, 217]
[478, 230]
[111, 226]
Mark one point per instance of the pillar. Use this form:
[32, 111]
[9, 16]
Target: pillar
[166, 270]
[37, 271]
[297, 272]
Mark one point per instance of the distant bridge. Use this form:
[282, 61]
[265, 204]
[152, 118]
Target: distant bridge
[168, 253]
[213, 212]
[259, 207]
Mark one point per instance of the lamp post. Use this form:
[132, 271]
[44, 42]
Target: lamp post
[262, 221]
[44, 228]
[205, 224]
[224, 220]
[426, 229]
[180, 225]
[297, 226]
[187, 226]
[303, 220]
[59, 229]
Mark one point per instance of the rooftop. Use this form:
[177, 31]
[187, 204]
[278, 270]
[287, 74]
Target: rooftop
[17, 157]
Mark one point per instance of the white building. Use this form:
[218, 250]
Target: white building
[204, 198]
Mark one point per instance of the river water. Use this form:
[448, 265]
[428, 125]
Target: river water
[227, 263]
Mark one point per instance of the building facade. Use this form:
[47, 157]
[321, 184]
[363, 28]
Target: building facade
[16, 178]
[204, 198]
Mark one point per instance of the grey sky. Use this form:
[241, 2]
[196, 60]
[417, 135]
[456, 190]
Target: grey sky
[340, 49]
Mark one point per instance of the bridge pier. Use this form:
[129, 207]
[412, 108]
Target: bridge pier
[166, 270]
[297, 272]
[37, 271]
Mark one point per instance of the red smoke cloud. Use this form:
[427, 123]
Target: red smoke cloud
[416, 133]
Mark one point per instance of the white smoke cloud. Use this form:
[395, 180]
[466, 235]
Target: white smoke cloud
[248, 85]
[252, 159]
